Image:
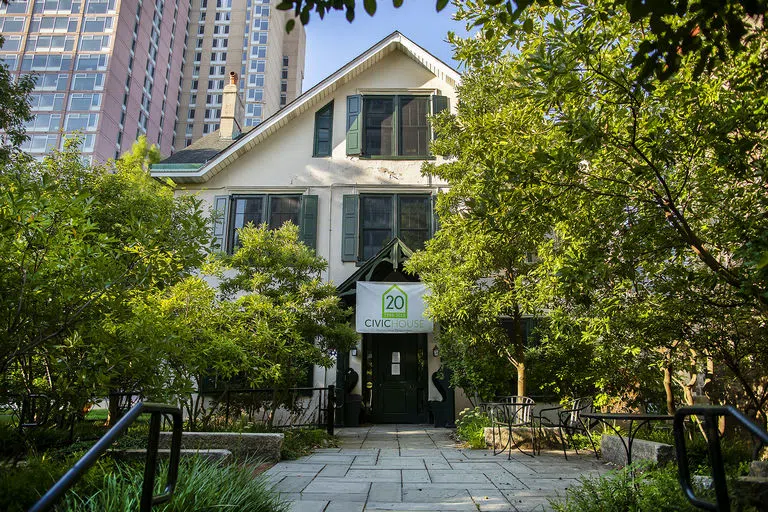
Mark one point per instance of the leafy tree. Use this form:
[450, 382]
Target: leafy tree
[77, 243]
[672, 28]
[653, 192]
[274, 320]
[14, 110]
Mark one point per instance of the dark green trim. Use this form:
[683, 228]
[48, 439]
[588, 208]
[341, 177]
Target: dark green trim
[394, 252]
[396, 157]
[326, 110]
[175, 167]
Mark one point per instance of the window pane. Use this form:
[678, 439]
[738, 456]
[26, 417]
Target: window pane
[414, 130]
[247, 210]
[376, 219]
[378, 119]
[414, 220]
[283, 209]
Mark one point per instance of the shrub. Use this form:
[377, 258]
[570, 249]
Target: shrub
[470, 425]
[202, 486]
[301, 441]
[635, 488]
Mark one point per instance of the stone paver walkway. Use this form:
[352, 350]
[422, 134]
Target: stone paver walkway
[419, 468]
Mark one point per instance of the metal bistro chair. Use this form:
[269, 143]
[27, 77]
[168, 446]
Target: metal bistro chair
[511, 412]
[569, 422]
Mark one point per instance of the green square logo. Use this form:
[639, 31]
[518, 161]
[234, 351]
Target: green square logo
[394, 303]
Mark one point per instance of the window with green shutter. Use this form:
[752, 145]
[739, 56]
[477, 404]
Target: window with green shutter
[384, 216]
[271, 209]
[392, 126]
[323, 131]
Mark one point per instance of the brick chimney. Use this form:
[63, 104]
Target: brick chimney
[231, 110]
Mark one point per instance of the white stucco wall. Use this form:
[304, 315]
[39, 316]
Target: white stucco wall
[283, 163]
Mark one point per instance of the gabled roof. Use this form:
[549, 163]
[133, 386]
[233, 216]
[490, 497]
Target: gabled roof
[181, 169]
[395, 252]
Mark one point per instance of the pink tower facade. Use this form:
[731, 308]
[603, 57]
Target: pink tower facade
[110, 70]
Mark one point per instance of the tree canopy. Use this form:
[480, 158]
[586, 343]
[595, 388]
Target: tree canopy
[643, 200]
[672, 29]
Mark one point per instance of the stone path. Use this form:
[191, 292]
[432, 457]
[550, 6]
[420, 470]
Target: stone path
[419, 468]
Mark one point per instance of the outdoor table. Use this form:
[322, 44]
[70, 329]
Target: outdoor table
[643, 419]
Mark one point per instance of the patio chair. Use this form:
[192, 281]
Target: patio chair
[511, 412]
[569, 422]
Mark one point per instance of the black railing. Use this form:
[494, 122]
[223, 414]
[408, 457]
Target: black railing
[150, 467]
[710, 414]
[295, 407]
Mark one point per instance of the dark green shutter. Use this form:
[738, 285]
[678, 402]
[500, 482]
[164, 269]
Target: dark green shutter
[435, 220]
[323, 145]
[439, 103]
[349, 228]
[308, 221]
[221, 216]
[354, 124]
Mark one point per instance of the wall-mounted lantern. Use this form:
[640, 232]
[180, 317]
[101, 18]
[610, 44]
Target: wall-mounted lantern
[436, 351]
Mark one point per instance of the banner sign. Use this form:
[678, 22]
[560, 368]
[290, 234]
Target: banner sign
[391, 307]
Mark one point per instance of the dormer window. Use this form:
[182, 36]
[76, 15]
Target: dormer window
[391, 126]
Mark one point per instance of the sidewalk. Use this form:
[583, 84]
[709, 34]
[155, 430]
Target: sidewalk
[419, 468]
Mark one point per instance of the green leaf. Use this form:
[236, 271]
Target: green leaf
[397, 3]
[528, 25]
[289, 25]
[370, 6]
[441, 5]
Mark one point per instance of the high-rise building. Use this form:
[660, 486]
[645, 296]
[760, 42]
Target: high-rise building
[108, 69]
[247, 37]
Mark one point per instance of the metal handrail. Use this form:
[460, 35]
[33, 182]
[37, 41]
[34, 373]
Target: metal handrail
[710, 414]
[150, 466]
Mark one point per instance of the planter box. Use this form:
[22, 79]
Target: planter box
[260, 446]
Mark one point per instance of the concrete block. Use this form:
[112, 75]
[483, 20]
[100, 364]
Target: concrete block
[259, 446]
[613, 450]
[758, 468]
[751, 490]
[521, 436]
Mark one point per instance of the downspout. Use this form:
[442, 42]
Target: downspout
[330, 228]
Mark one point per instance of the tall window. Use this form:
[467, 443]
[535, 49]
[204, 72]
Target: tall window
[273, 210]
[323, 131]
[395, 125]
[382, 217]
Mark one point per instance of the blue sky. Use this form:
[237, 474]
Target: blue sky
[333, 41]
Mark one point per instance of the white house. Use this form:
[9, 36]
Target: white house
[343, 161]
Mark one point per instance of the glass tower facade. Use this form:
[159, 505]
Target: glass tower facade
[247, 37]
[107, 70]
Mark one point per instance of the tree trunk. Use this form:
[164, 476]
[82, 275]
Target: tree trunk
[668, 390]
[521, 378]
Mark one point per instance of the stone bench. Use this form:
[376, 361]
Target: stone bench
[259, 446]
[613, 450]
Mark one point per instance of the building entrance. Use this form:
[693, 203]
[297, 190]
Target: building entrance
[396, 377]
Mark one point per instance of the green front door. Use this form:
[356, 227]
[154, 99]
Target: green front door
[399, 378]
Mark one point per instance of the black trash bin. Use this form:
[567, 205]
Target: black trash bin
[352, 406]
